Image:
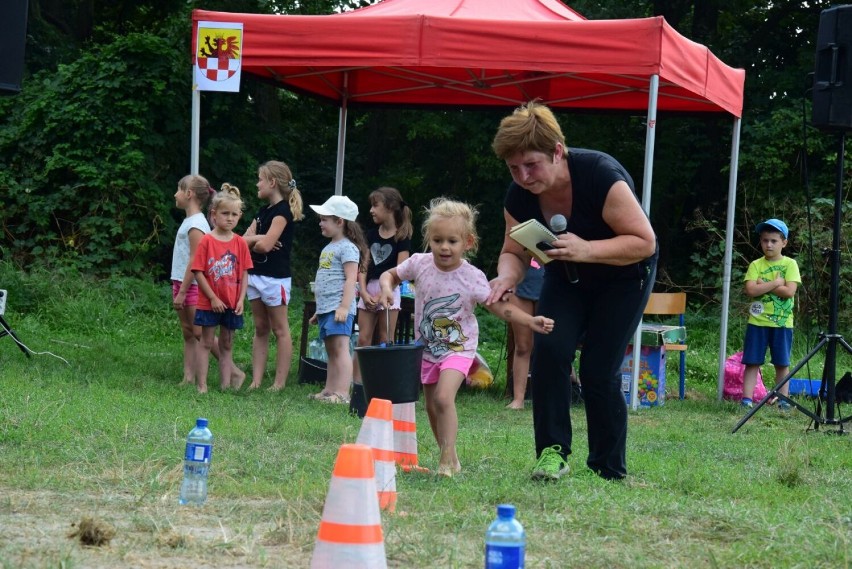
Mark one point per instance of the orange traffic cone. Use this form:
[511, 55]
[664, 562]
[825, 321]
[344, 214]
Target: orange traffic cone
[350, 533]
[377, 433]
[405, 437]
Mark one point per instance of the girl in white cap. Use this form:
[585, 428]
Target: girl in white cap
[334, 290]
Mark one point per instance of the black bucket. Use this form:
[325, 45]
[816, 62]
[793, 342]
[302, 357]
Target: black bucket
[312, 371]
[391, 372]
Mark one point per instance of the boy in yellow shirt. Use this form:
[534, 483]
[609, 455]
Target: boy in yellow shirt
[771, 281]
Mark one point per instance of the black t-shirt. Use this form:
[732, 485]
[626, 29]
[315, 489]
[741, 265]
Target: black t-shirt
[383, 253]
[276, 263]
[592, 175]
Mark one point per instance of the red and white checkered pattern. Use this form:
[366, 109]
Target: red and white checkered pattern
[219, 69]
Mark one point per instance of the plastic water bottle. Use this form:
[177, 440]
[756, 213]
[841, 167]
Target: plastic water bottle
[316, 350]
[505, 541]
[353, 339]
[196, 464]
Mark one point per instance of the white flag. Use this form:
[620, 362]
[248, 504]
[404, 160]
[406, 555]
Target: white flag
[218, 56]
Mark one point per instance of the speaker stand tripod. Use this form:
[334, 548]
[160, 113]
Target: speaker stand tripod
[6, 330]
[829, 340]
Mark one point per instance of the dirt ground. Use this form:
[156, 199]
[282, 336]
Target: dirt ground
[41, 529]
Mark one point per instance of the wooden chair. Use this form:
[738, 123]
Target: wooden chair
[671, 304]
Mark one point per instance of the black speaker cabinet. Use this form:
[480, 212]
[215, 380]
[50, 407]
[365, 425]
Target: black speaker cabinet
[13, 38]
[832, 92]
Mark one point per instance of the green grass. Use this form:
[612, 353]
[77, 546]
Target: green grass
[103, 436]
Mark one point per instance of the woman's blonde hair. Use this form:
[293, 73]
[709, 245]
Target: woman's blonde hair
[464, 214]
[280, 172]
[531, 127]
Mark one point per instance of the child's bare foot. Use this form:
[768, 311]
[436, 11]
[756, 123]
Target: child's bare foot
[237, 383]
[225, 385]
[252, 386]
[238, 376]
[515, 405]
[187, 381]
[449, 470]
[202, 388]
[276, 386]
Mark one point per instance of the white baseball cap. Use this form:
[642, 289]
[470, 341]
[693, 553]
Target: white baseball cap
[339, 206]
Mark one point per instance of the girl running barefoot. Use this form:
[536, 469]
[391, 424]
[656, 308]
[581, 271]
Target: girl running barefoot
[448, 290]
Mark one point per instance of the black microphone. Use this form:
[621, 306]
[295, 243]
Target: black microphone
[559, 226]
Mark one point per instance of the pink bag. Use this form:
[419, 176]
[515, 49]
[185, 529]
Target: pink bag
[734, 371]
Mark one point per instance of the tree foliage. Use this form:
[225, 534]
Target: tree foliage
[82, 151]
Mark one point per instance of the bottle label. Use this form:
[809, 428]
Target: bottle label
[198, 453]
[504, 556]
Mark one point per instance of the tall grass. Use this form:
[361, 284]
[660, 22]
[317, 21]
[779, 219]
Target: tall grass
[103, 436]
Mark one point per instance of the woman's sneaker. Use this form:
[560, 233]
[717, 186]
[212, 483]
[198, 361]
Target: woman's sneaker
[551, 464]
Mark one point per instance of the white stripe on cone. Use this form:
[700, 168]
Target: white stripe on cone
[348, 556]
[352, 497]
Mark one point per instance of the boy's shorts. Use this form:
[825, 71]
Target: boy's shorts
[430, 371]
[373, 289]
[757, 338]
[225, 319]
[191, 293]
[272, 291]
[328, 327]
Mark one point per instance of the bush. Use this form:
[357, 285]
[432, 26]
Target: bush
[77, 150]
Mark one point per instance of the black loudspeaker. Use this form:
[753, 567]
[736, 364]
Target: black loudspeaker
[832, 92]
[13, 38]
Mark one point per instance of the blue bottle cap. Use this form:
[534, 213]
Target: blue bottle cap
[201, 423]
[506, 511]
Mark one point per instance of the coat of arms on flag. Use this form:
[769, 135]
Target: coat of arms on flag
[218, 56]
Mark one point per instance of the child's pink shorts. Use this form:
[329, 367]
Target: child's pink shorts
[191, 293]
[430, 371]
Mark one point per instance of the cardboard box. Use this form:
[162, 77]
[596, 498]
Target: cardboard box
[652, 375]
[659, 334]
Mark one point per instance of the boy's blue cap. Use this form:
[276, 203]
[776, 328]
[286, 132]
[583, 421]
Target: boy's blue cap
[772, 224]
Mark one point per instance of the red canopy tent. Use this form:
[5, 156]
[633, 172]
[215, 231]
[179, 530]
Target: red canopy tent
[491, 53]
[497, 53]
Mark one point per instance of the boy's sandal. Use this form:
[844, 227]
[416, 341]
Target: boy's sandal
[334, 398]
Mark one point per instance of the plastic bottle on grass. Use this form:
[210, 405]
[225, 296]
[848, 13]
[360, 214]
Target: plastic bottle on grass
[196, 464]
[505, 541]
